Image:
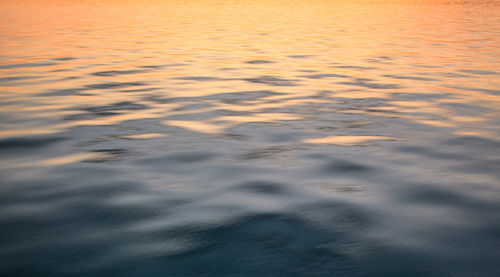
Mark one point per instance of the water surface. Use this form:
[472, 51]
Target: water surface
[237, 138]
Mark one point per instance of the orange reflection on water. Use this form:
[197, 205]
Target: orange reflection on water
[59, 58]
[349, 140]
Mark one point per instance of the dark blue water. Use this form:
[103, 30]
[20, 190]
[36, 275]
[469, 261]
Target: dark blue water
[246, 138]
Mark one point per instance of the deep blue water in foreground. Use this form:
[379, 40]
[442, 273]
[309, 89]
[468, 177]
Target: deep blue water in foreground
[249, 138]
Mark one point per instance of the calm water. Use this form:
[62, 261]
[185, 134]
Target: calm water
[244, 138]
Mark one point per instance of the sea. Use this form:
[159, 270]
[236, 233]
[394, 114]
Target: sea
[250, 138]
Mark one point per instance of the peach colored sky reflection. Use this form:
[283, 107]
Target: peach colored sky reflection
[422, 47]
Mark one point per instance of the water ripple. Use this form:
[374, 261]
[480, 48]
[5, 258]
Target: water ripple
[274, 138]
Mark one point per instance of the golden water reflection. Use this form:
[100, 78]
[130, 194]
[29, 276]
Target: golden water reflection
[349, 140]
[65, 65]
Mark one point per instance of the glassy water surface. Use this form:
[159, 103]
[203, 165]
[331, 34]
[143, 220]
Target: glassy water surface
[236, 138]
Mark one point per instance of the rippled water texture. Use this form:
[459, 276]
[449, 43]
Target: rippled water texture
[249, 138]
